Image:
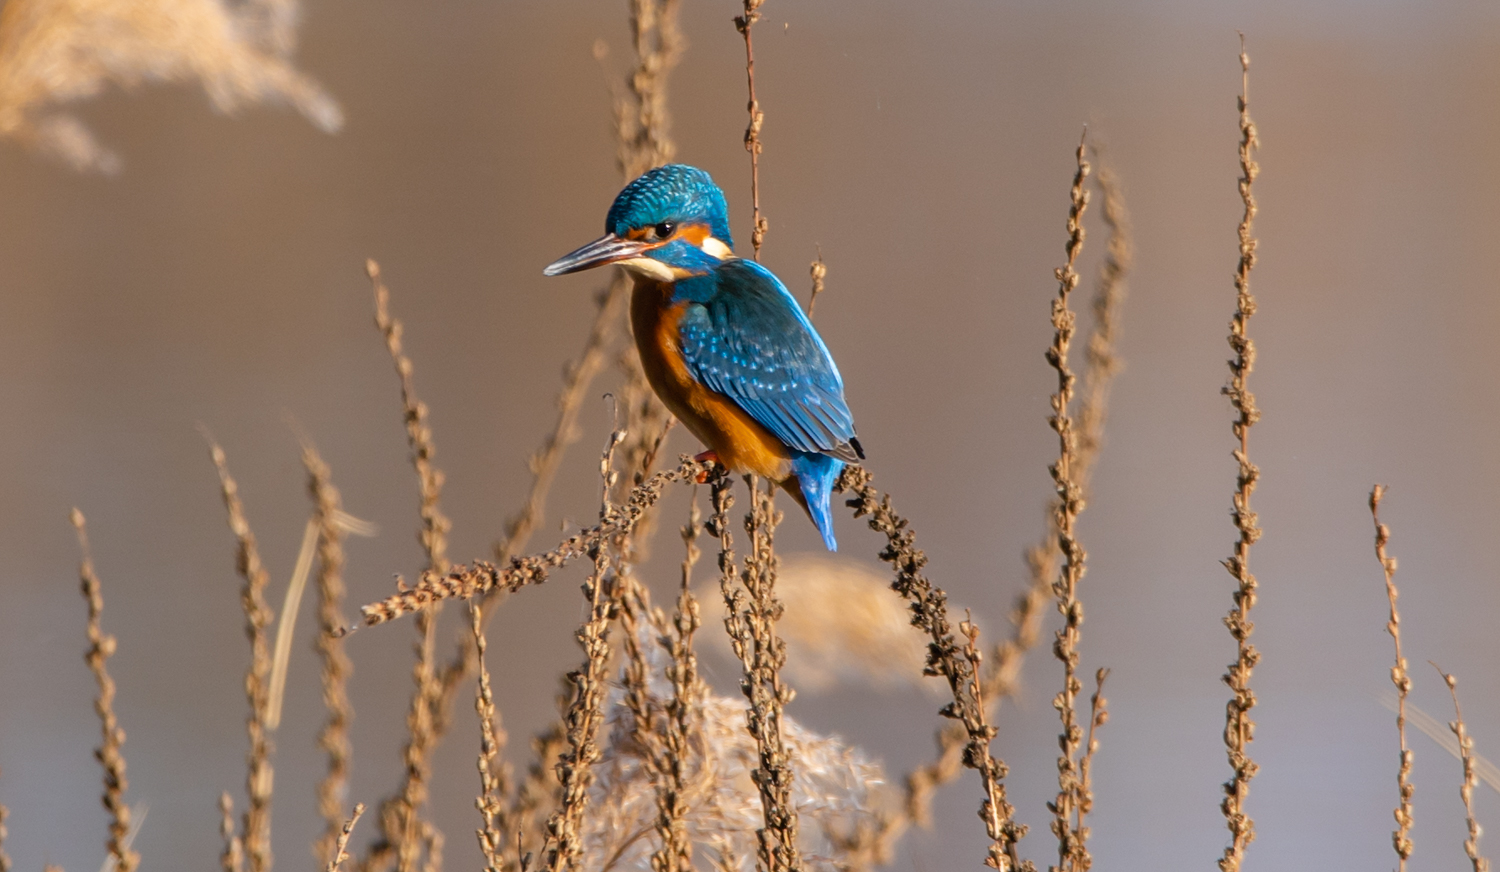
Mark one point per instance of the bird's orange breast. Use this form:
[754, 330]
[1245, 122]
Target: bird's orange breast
[741, 443]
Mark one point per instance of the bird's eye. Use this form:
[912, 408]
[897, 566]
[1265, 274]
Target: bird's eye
[664, 229]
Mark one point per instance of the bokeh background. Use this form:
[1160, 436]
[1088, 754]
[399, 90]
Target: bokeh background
[217, 279]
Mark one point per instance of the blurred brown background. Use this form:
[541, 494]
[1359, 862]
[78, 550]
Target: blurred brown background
[927, 148]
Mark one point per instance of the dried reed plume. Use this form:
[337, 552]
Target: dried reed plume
[1401, 838]
[586, 712]
[744, 23]
[110, 753]
[945, 658]
[233, 857]
[57, 52]
[1465, 790]
[1068, 808]
[751, 612]
[339, 846]
[333, 738]
[1239, 729]
[255, 830]
[400, 815]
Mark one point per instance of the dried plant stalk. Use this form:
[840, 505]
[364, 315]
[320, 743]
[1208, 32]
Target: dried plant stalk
[945, 658]
[1239, 729]
[333, 738]
[744, 23]
[4, 858]
[256, 826]
[575, 768]
[819, 272]
[1067, 808]
[1465, 790]
[1401, 838]
[481, 577]
[400, 815]
[340, 854]
[233, 857]
[110, 753]
[494, 772]
[750, 617]
[1098, 717]
[683, 712]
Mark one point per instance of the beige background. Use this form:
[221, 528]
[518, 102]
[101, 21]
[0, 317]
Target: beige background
[926, 147]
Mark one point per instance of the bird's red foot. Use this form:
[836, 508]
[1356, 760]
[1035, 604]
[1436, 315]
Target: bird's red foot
[709, 457]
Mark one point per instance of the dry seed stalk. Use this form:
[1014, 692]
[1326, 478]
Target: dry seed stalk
[256, 826]
[1239, 729]
[945, 658]
[333, 738]
[1067, 808]
[1401, 838]
[744, 23]
[683, 712]
[494, 778]
[1098, 717]
[481, 577]
[400, 815]
[342, 842]
[233, 857]
[110, 753]
[575, 768]
[819, 272]
[4, 858]
[995, 811]
[1465, 790]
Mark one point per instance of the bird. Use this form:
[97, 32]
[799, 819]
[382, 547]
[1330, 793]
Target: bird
[722, 341]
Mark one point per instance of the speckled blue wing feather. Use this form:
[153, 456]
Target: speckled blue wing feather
[745, 337]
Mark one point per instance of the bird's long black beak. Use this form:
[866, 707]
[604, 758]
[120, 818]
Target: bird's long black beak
[604, 250]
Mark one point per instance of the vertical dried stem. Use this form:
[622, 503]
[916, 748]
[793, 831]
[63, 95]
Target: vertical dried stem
[995, 811]
[4, 858]
[819, 272]
[342, 842]
[494, 780]
[233, 857]
[1067, 823]
[945, 658]
[401, 815]
[1401, 838]
[575, 768]
[110, 753]
[1098, 717]
[1239, 729]
[1466, 790]
[333, 738]
[683, 712]
[256, 826]
[744, 23]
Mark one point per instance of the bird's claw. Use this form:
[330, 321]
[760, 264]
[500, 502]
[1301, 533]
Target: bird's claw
[712, 459]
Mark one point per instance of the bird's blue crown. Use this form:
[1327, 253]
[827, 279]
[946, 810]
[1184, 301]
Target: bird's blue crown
[674, 193]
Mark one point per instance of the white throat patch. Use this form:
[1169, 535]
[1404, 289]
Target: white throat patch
[650, 268]
[715, 247]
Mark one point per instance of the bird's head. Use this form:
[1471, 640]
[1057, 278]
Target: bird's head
[669, 224]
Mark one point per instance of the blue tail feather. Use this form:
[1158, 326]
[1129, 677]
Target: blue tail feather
[816, 474]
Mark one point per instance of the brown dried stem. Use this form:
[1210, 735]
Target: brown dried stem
[1067, 808]
[575, 768]
[945, 657]
[1401, 838]
[1098, 717]
[1466, 790]
[819, 272]
[744, 23]
[494, 778]
[400, 815]
[256, 825]
[233, 857]
[339, 846]
[1239, 729]
[110, 754]
[333, 738]
[4, 858]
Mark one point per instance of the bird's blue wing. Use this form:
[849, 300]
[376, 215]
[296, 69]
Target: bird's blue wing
[748, 339]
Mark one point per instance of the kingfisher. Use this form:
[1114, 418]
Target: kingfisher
[722, 341]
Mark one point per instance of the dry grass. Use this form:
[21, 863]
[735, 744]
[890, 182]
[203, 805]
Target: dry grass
[1466, 787]
[1401, 838]
[744, 23]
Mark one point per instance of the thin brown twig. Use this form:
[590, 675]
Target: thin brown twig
[1401, 837]
[744, 23]
[1067, 809]
[1239, 729]
[819, 272]
[333, 738]
[400, 815]
[945, 657]
[4, 858]
[575, 768]
[110, 753]
[340, 853]
[256, 825]
[494, 778]
[1465, 790]
[232, 859]
[1098, 717]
